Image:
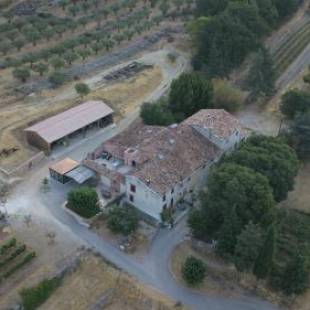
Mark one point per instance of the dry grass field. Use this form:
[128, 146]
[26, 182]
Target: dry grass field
[96, 281]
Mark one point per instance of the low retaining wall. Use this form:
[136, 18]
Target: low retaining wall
[23, 168]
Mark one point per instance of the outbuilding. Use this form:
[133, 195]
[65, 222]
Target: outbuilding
[47, 133]
[68, 169]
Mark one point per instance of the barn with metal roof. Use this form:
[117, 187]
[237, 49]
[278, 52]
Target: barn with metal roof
[57, 128]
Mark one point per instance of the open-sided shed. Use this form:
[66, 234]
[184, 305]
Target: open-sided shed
[48, 132]
[68, 169]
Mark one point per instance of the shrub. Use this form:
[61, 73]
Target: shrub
[21, 74]
[35, 296]
[57, 79]
[84, 201]
[295, 102]
[24, 261]
[193, 270]
[8, 244]
[227, 96]
[123, 220]
[14, 254]
[82, 89]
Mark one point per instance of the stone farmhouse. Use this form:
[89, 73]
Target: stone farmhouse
[155, 167]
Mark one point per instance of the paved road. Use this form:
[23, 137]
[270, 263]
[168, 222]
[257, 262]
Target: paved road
[154, 268]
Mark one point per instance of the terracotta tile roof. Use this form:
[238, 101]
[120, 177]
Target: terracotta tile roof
[136, 135]
[63, 124]
[173, 156]
[64, 166]
[221, 123]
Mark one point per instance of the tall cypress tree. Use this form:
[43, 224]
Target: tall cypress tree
[228, 234]
[265, 259]
[261, 77]
[296, 275]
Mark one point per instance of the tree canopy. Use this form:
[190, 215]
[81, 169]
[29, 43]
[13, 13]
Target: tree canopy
[300, 133]
[232, 185]
[84, 201]
[226, 31]
[190, 93]
[272, 158]
[193, 270]
[295, 102]
[123, 220]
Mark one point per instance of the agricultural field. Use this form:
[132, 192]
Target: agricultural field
[291, 44]
[13, 257]
[46, 46]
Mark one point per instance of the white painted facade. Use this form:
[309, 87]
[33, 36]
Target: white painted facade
[152, 203]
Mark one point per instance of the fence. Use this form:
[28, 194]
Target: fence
[23, 168]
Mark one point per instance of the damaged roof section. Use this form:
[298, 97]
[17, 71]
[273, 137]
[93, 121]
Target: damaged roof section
[221, 123]
[132, 138]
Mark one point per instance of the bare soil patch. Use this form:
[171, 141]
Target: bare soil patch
[299, 198]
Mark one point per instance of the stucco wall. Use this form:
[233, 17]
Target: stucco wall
[144, 198]
[151, 203]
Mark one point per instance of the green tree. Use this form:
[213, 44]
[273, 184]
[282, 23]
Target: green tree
[226, 96]
[40, 68]
[156, 113]
[193, 270]
[300, 132]
[307, 77]
[57, 62]
[210, 7]
[70, 57]
[223, 42]
[84, 201]
[228, 234]
[295, 102]
[21, 74]
[190, 93]
[286, 7]
[82, 89]
[57, 79]
[261, 77]
[265, 260]
[296, 275]
[197, 222]
[123, 220]
[249, 243]
[234, 185]
[271, 157]
[5, 46]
